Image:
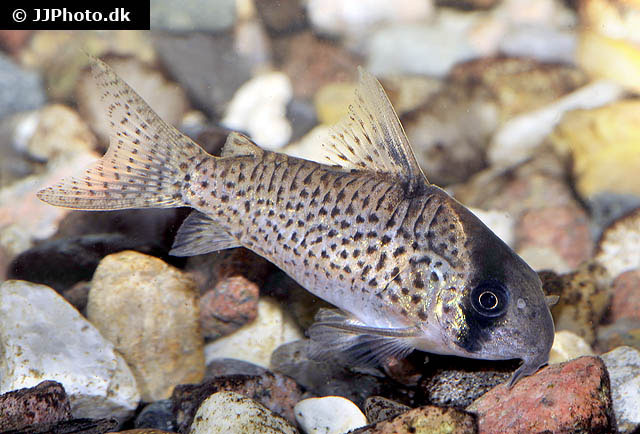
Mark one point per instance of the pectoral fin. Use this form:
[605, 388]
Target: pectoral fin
[337, 336]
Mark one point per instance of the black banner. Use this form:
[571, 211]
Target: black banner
[52, 15]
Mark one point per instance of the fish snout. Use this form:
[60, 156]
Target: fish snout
[538, 355]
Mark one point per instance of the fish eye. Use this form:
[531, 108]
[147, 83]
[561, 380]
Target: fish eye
[489, 299]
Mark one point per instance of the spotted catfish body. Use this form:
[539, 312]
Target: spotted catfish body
[408, 266]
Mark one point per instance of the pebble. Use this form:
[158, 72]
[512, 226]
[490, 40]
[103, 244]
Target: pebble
[182, 56]
[518, 138]
[165, 97]
[624, 331]
[602, 145]
[568, 346]
[450, 133]
[212, 269]
[543, 42]
[563, 229]
[78, 295]
[617, 248]
[302, 118]
[284, 16]
[605, 208]
[13, 40]
[193, 15]
[378, 408]
[609, 42]
[259, 109]
[150, 311]
[256, 341]
[332, 101]
[223, 367]
[625, 298]
[45, 403]
[84, 426]
[20, 89]
[61, 55]
[312, 62]
[339, 19]
[567, 397]
[427, 419]
[232, 303]
[144, 431]
[539, 183]
[583, 302]
[43, 337]
[328, 415]
[230, 412]
[623, 365]
[273, 390]
[457, 382]
[78, 256]
[15, 131]
[410, 92]
[431, 48]
[157, 415]
[59, 129]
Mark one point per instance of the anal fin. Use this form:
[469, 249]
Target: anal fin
[199, 234]
[337, 336]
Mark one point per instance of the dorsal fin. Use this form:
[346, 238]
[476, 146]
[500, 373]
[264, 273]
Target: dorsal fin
[370, 137]
[238, 144]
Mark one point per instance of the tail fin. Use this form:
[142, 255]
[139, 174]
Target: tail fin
[145, 164]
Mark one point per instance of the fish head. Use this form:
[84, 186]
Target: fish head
[492, 305]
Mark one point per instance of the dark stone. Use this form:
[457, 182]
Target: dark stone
[207, 66]
[78, 295]
[457, 382]
[74, 426]
[377, 408]
[282, 16]
[224, 367]
[275, 391]
[20, 89]
[302, 118]
[45, 403]
[84, 238]
[158, 415]
[77, 256]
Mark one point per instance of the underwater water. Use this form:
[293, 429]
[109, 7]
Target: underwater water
[524, 112]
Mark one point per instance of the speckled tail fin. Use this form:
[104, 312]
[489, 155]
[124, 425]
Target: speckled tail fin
[336, 336]
[146, 161]
[199, 234]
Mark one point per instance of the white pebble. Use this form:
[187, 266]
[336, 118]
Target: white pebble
[259, 109]
[568, 346]
[42, 337]
[356, 18]
[518, 138]
[623, 365]
[618, 247]
[256, 341]
[328, 415]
